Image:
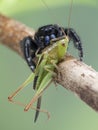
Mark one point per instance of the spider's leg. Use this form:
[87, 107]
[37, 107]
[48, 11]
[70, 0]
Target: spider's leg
[29, 48]
[71, 33]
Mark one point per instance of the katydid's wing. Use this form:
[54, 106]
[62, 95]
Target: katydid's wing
[45, 82]
[38, 108]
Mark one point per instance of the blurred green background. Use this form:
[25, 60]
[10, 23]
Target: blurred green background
[67, 111]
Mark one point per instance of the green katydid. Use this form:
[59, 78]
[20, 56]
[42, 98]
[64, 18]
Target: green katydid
[47, 62]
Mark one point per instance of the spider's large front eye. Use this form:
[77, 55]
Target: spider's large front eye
[52, 36]
[46, 30]
[47, 40]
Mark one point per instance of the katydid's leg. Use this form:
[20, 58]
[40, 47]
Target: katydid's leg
[38, 79]
[29, 80]
[50, 67]
[47, 68]
[44, 84]
[34, 99]
[33, 108]
[10, 98]
[54, 73]
[54, 64]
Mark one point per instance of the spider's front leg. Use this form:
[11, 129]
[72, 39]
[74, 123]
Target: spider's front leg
[71, 33]
[29, 48]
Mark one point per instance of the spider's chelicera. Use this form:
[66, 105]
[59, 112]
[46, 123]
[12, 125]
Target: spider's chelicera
[43, 38]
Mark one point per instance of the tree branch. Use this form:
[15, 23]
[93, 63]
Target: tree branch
[12, 32]
[72, 75]
[80, 79]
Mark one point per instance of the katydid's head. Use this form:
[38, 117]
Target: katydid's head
[60, 45]
[61, 41]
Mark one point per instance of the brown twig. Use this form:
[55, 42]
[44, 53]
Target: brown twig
[12, 32]
[72, 75]
[80, 79]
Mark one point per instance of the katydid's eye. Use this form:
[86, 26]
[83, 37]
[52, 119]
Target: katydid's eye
[47, 40]
[52, 36]
[63, 44]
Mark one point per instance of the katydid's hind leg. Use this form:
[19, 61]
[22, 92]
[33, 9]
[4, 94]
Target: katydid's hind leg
[33, 108]
[39, 92]
[29, 79]
[43, 85]
[10, 98]
[34, 99]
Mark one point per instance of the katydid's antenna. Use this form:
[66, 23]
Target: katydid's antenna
[70, 12]
[53, 16]
[45, 4]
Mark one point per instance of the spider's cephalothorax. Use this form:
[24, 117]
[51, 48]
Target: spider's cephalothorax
[43, 38]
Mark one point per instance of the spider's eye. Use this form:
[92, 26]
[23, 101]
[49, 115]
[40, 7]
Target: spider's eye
[47, 40]
[52, 36]
[46, 30]
[50, 30]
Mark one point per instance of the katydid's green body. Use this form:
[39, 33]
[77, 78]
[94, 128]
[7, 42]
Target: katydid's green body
[46, 64]
[48, 59]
